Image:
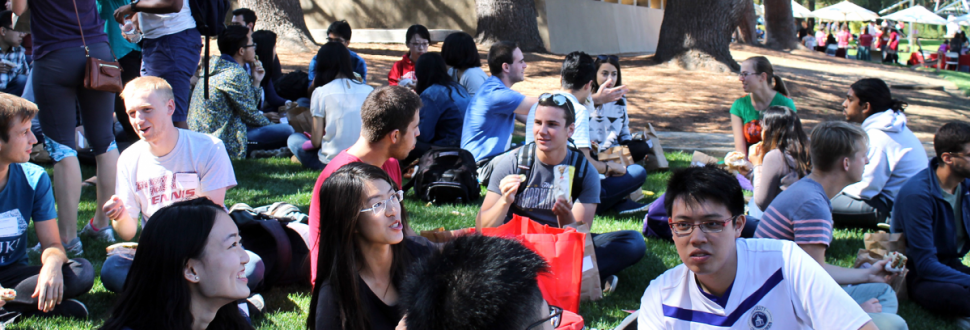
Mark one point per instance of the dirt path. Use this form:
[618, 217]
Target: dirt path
[698, 101]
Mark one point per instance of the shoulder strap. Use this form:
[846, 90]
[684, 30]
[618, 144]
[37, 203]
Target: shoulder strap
[525, 158]
[80, 29]
[579, 162]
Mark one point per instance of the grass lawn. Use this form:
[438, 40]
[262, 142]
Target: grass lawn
[269, 180]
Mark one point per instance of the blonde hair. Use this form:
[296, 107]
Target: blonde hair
[14, 107]
[833, 141]
[149, 83]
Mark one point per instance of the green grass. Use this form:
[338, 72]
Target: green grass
[961, 79]
[269, 180]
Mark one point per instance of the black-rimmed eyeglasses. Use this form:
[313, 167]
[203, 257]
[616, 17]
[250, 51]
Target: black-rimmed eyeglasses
[555, 317]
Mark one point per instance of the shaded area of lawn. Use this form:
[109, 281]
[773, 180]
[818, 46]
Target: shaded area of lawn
[270, 180]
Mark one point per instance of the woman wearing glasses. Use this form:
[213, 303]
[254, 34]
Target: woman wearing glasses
[417, 38]
[364, 253]
[756, 78]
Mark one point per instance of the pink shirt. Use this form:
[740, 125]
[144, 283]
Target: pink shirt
[843, 38]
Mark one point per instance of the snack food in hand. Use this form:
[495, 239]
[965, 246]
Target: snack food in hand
[563, 182]
[7, 294]
[897, 262]
[734, 159]
[123, 247]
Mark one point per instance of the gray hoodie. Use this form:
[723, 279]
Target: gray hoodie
[895, 154]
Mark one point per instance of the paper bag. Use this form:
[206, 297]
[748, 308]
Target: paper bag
[441, 235]
[882, 242]
[656, 160]
[300, 118]
[702, 159]
[591, 288]
[620, 155]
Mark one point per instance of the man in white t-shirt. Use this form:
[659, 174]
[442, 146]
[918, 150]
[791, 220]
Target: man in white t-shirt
[171, 46]
[734, 283]
[167, 165]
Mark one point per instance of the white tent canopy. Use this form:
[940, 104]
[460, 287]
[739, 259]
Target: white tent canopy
[962, 20]
[845, 11]
[797, 10]
[916, 14]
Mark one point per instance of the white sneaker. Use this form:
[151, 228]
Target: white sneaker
[105, 234]
[74, 247]
[610, 285]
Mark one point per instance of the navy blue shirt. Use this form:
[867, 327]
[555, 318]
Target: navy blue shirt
[443, 114]
[54, 25]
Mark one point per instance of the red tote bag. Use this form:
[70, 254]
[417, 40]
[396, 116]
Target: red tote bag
[563, 251]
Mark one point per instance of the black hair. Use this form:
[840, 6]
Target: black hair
[569, 113]
[233, 38]
[833, 141]
[615, 61]
[339, 255]
[951, 137]
[431, 70]
[577, 70]
[156, 293]
[265, 43]
[6, 19]
[249, 16]
[698, 184]
[500, 53]
[333, 59]
[387, 109]
[460, 51]
[783, 131]
[340, 28]
[875, 92]
[418, 29]
[479, 282]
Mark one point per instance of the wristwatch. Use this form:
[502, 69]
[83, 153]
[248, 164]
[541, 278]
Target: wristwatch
[132, 5]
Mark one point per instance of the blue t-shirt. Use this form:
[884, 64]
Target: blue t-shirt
[490, 119]
[360, 67]
[28, 195]
[443, 114]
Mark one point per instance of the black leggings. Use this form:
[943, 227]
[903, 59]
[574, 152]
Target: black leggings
[131, 63]
[78, 280]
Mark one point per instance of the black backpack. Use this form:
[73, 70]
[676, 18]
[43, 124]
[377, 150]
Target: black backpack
[446, 175]
[283, 248]
[527, 155]
[293, 85]
[210, 20]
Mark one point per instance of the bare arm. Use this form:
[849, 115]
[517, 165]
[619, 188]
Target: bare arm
[493, 212]
[525, 105]
[19, 6]
[217, 196]
[737, 127]
[148, 6]
[869, 326]
[50, 282]
[585, 212]
[318, 131]
[843, 276]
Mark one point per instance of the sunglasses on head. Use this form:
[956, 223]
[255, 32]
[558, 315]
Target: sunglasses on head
[608, 57]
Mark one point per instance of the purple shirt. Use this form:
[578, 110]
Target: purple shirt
[54, 25]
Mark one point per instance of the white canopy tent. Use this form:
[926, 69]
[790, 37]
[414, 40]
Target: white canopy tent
[962, 20]
[797, 10]
[916, 14]
[845, 11]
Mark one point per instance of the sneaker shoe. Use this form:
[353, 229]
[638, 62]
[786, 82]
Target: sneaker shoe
[74, 247]
[631, 207]
[34, 249]
[610, 285]
[104, 234]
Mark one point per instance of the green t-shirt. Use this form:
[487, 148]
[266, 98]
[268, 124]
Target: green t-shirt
[954, 200]
[743, 108]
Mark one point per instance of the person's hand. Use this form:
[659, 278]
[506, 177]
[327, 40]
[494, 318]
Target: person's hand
[871, 306]
[4, 67]
[258, 73]
[114, 208]
[272, 116]
[509, 186]
[2, 302]
[123, 12]
[755, 155]
[607, 93]
[402, 325]
[615, 169]
[563, 209]
[50, 287]
[878, 273]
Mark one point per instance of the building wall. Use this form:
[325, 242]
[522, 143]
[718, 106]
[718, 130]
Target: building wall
[392, 14]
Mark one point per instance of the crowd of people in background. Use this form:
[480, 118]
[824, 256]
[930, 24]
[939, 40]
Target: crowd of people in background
[164, 147]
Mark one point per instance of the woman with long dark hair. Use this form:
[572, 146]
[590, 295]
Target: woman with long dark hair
[782, 157]
[265, 41]
[756, 78]
[443, 104]
[464, 62]
[188, 272]
[364, 253]
[895, 154]
[335, 101]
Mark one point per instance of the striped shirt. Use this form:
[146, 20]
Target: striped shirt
[802, 213]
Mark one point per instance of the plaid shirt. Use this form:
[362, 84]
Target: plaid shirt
[18, 56]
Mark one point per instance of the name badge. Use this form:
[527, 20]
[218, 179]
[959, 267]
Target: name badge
[12, 224]
[186, 181]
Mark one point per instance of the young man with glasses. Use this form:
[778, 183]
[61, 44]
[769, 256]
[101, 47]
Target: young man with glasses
[726, 282]
[932, 211]
[803, 214]
[417, 38]
[490, 283]
[13, 61]
[511, 191]
[340, 31]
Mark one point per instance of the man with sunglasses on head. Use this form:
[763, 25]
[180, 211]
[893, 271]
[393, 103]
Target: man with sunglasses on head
[727, 282]
[803, 214]
[528, 190]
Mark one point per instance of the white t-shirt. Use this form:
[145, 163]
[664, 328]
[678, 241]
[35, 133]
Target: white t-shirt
[155, 26]
[778, 286]
[198, 164]
[580, 135]
[471, 79]
[339, 102]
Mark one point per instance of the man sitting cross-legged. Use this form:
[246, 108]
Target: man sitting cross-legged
[803, 214]
[167, 165]
[931, 210]
[736, 283]
[534, 195]
[26, 195]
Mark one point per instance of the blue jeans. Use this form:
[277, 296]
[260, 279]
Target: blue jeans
[618, 250]
[863, 54]
[614, 189]
[309, 158]
[16, 85]
[115, 269]
[268, 137]
[174, 58]
[887, 320]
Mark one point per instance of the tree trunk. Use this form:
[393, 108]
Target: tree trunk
[780, 25]
[748, 24]
[285, 17]
[811, 21]
[696, 34]
[509, 20]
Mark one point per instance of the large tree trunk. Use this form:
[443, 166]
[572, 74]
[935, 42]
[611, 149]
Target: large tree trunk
[748, 24]
[509, 20]
[779, 25]
[696, 34]
[285, 17]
